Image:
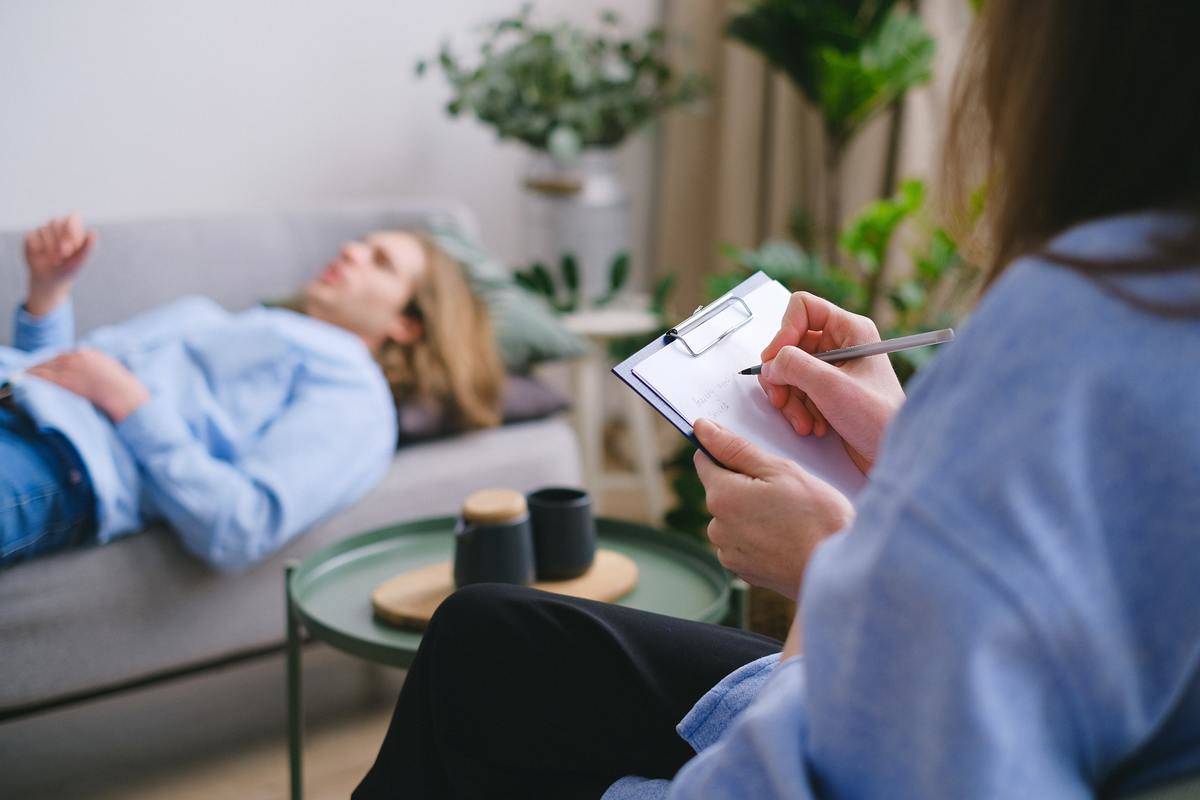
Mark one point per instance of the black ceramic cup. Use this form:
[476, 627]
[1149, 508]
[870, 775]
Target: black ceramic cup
[493, 541]
[564, 532]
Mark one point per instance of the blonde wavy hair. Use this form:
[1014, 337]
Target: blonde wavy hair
[454, 368]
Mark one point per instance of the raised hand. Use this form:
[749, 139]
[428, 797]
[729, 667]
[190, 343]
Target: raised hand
[54, 253]
[857, 398]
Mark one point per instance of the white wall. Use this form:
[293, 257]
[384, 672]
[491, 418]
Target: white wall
[134, 108]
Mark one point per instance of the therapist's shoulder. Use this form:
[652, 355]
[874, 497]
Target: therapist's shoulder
[1051, 364]
[1037, 328]
[1095, 293]
[1060, 322]
[1037, 290]
[1045, 327]
[1053, 378]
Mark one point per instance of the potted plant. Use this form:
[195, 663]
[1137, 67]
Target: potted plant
[572, 97]
[851, 58]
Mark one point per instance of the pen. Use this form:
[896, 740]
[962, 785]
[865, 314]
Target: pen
[876, 348]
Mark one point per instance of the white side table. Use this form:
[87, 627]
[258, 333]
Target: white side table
[591, 376]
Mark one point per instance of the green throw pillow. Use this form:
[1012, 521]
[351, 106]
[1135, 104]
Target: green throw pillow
[527, 329]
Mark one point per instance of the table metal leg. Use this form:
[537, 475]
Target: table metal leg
[294, 699]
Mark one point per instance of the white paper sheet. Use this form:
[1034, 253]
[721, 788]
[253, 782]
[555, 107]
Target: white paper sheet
[708, 386]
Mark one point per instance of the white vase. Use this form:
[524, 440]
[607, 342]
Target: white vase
[581, 209]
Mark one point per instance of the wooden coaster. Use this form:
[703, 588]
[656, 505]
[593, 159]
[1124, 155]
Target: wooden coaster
[409, 599]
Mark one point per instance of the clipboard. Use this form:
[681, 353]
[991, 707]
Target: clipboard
[701, 321]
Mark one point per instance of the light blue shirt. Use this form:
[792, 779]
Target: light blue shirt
[260, 423]
[1016, 610]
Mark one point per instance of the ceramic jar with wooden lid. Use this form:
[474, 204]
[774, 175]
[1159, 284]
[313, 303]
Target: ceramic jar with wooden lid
[493, 542]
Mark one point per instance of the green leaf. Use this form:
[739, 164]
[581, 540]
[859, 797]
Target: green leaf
[541, 277]
[717, 285]
[731, 252]
[618, 273]
[789, 33]
[526, 282]
[570, 272]
[662, 290]
[976, 203]
[868, 236]
[902, 53]
[801, 228]
[941, 257]
[776, 258]
[845, 92]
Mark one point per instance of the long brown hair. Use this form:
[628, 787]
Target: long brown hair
[454, 367]
[1070, 110]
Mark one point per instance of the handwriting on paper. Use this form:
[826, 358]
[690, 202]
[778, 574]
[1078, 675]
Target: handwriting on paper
[712, 402]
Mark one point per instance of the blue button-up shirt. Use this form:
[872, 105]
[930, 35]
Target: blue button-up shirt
[260, 423]
[1016, 610]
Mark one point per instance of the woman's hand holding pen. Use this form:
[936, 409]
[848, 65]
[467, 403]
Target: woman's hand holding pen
[54, 253]
[857, 399]
[769, 514]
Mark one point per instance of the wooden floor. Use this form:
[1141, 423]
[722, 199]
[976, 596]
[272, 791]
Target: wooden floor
[337, 756]
[221, 734]
[218, 735]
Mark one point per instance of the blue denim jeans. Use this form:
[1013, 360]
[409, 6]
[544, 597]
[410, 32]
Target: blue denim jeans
[46, 498]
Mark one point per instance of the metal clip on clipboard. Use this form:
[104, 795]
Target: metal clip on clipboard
[704, 315]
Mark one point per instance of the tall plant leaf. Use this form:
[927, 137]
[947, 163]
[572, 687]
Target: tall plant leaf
[869, 235]
[618, 273]
[789, 33]
[570, 272]
[850, 58]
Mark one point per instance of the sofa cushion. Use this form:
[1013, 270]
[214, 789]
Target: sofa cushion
[525, 398]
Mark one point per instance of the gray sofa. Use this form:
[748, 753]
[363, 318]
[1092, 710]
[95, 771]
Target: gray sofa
[97, 619]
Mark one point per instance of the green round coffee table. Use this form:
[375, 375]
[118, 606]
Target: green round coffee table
[329, 593]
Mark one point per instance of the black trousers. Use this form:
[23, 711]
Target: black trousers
[521, 693]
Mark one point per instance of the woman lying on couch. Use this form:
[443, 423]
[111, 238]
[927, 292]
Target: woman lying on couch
[239, 430]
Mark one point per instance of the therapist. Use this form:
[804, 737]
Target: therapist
[1011, 609]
